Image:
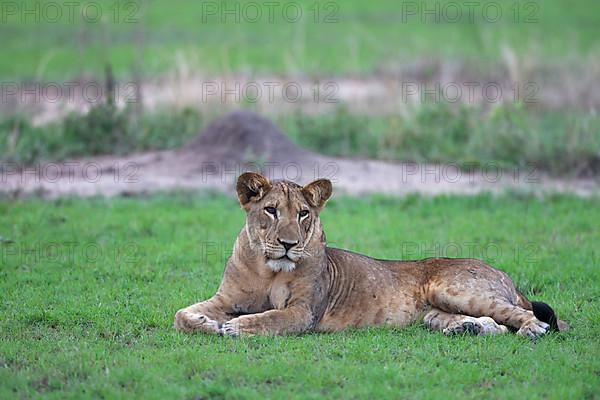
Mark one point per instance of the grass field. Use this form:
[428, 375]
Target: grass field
[343, 37]
[93, 317]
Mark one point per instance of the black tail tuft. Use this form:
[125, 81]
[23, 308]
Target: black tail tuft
[545, 313]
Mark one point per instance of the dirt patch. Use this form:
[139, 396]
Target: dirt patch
[244, 141]
[243, 136]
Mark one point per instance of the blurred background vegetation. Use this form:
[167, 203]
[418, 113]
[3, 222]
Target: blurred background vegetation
[343, 38]
[533, 41]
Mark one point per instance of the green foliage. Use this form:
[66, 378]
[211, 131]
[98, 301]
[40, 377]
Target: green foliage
[22, 142]
[105, 129]
[167, 130]
[507, 135]
[76, 324]
[340, 133]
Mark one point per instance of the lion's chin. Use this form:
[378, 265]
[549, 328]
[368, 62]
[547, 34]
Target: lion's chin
[281, 264]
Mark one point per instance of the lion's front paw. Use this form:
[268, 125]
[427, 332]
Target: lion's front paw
[189, 322]
[533, 329]
[244, 325]
[229, 329]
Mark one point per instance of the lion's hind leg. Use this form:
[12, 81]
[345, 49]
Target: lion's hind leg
[495, 306]
[521, 319]
[451, 324]
[491, 311]
[473, 288]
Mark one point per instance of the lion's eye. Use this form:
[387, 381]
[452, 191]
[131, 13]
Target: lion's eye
[303, 213]
[271, 210]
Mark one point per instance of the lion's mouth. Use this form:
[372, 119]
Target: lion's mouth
[290, 257]
[283, 263]
[284, 257]
[281, 257]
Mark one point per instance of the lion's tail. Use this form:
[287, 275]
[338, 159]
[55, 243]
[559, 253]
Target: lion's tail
[543, 312]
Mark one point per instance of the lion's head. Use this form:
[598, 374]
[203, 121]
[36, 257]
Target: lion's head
[282, 218]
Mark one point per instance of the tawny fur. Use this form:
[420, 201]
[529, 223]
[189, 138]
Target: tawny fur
[318, 288]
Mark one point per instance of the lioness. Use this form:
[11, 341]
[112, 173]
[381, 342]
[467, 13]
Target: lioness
[283, 279]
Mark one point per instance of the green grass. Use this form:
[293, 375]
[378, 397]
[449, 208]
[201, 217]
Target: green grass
[367, 36]
[72, 327]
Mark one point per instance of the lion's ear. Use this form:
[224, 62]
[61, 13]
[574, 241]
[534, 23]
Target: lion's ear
[251, 187]
[317, 192]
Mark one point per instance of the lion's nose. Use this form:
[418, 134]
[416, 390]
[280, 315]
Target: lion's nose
[287, 244]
